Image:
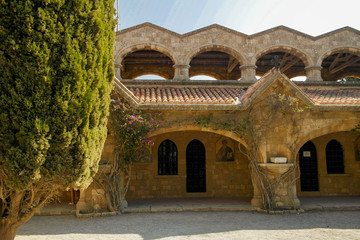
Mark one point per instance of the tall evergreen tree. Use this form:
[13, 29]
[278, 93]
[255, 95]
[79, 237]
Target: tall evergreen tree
[56, 71]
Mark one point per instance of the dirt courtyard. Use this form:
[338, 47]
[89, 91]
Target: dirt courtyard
[196, 225]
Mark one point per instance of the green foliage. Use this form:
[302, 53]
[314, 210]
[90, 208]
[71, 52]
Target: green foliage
[350, 79]
[356, 128]
[56, 71]
[253, 124]
[263, 116]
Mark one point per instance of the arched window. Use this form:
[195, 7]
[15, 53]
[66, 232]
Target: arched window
[334, 157]
[167, 158]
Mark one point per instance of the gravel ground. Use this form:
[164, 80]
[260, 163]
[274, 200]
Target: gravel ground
[196, 225]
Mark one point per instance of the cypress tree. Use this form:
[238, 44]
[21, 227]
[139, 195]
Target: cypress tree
[56, 71]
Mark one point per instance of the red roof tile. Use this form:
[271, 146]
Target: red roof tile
[338, 96]
[186, 95]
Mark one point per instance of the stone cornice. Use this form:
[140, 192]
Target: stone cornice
[231, 31]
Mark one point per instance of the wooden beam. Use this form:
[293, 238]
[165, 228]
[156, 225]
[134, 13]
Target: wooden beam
[335, 61]
[284, 59]
[231, 64]
[340, 59]
[290, 64]
[344, 65]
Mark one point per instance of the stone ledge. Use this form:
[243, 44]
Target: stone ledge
[96, 214]
[280, 212]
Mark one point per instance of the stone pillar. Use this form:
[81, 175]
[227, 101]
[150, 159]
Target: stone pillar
[285, 192]
[248, 72]
[313, 73]
[118, 70]
[181, 72]
[82, 204]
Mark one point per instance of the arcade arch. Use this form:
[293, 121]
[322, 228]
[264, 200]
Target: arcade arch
[217, 64]
[147, 61]
[292, 62]
[340, 63]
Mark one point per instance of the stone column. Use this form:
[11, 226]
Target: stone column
[181, 72]
[313, 73]
[248, 72]
[118, 70]
[285, 192]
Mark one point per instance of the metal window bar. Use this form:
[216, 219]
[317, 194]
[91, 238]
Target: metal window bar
[167, 158]
[334, 158]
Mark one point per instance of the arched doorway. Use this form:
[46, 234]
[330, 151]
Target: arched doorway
[309, 181]
[195, 167]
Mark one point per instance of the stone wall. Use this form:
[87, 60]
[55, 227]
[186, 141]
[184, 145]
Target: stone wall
[223, 179]
[337, 184]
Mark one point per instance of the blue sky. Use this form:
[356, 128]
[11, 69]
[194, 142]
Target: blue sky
[313, 17]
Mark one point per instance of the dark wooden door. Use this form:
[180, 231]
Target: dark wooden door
[308, 168]
[195, 167]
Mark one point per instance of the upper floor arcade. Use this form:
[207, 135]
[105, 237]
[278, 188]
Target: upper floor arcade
[224, 54]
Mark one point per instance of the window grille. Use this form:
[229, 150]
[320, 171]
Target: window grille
[167, 158]
[334, 157]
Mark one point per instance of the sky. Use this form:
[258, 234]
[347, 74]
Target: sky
[313, 17]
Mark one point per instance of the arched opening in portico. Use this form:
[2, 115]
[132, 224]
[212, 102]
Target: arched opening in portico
[289, 63]
[217, 64]
[341, 64]
[146, 62]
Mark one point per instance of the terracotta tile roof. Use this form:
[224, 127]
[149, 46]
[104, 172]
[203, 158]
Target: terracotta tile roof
[339, 96]
[187, 95]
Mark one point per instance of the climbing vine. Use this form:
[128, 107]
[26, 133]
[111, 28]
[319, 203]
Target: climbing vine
[275, 112]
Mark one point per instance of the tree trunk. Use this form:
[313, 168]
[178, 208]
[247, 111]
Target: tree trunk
[123, 190]
[7, 232]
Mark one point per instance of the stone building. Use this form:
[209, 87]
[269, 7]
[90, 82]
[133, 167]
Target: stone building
[188, 160]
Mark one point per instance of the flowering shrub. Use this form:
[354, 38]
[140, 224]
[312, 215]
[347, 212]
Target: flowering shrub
[131, 132]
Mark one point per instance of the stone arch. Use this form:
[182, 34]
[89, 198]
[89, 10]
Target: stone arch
[340, 62]
[318, 132]
[214, 47]
[352, 50]
[120, 55]
[225, 133]
[283, 48]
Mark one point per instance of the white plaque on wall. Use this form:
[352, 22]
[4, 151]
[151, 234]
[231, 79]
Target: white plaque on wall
[306, 154]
